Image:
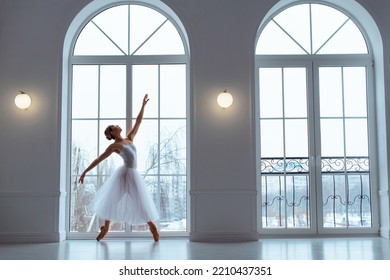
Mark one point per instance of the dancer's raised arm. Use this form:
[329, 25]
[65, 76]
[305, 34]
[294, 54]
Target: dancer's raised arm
[138, 121]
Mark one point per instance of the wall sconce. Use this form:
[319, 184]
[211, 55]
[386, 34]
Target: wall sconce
[225, 99]
[22, 100]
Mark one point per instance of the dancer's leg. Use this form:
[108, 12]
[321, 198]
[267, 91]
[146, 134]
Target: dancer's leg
[103, 230]
[153, 230]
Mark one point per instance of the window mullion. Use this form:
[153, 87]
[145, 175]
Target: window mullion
[159, 134]
[129, 96]
[284, 194]
[346, 190]
[128, 30]
[98, 119]
[129, 110]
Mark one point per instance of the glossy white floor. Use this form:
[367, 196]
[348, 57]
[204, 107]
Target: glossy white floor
[364, 248]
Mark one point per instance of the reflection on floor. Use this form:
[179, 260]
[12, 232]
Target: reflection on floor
[365, 248]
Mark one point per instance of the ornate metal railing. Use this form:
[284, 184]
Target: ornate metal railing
[286, 193]
[284, 165]
[345, 165]
[328, 164]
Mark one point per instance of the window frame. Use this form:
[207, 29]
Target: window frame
[313, 62]
[128, 61]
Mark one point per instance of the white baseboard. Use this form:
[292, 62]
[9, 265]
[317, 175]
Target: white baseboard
[24, 237]
[384, 232]
[223, 237]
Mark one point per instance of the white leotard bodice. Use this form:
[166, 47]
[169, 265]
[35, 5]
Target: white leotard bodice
[129, 155]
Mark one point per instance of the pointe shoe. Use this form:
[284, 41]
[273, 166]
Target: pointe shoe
[154, 232]
[103, 232]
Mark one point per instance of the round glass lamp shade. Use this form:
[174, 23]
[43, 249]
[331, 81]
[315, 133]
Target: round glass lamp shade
[225, 99]
[22, 100]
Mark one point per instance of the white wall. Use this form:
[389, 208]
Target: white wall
[223, 185]
[221, 34]
[31, 39]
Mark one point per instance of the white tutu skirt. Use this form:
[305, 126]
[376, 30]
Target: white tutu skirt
[125, 198]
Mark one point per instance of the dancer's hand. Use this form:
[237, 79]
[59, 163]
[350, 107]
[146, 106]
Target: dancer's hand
[81, 179]
[146, 99]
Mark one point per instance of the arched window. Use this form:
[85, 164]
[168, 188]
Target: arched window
[316, 125]
[121, 53]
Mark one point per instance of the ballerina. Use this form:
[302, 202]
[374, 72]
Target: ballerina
[124, 197]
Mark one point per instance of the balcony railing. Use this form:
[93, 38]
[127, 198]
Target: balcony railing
[346, 193]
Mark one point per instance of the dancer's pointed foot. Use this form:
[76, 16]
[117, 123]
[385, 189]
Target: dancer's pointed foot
[154, 231]
[103, 232]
